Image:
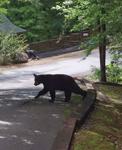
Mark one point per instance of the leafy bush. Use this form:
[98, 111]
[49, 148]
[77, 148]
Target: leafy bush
[2, 6]
[10, 45]
[95, 74]
[114, 73]
[113, 70]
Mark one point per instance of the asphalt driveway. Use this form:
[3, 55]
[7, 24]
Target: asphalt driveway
[26, 124]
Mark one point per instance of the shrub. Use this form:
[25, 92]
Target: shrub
[10, 45]
[95, 74]
[113, 70]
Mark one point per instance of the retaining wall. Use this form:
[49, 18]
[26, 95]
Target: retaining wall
[70, 40]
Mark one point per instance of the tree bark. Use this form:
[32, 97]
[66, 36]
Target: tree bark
[102, 46]
[102, 53]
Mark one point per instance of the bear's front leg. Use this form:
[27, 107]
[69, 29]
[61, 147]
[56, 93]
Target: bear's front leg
[44, 91]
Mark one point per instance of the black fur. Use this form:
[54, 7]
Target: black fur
[58, 82]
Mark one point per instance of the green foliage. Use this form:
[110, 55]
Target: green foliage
[89, 44]
[101, 17]
[114, 69]
[2, 6]
[37, 17]
[10, 45]
[95, 74]
[114, 73]
[85, 14]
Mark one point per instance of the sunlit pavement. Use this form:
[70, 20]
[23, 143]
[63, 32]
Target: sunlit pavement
[35, 124]
[71, 64]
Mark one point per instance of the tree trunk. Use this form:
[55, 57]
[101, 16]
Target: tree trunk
[102, 46]
[102, 53]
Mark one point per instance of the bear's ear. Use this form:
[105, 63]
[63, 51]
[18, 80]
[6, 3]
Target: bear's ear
[34, 75]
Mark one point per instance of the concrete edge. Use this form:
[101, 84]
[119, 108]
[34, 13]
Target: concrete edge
[64, 138]
[87, 106]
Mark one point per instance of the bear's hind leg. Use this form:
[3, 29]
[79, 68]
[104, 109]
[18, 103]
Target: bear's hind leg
[52, 94]
[79, 91]
[67, 96]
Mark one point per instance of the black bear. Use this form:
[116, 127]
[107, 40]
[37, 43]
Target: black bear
[60, 82]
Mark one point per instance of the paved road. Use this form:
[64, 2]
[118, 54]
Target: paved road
[26, 124]
[70, 64]
[34, 125]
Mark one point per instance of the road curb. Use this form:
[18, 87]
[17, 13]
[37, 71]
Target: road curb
[64, 138]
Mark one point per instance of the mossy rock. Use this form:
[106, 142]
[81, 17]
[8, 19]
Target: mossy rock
[87, 140]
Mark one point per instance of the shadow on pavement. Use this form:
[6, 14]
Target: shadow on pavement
[11, 97]
[30, 126]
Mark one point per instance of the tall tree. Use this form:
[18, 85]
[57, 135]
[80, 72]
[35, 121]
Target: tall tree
[37, 17]
[102, 17]
[102, 42]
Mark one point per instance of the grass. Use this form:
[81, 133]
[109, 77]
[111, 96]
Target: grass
[103, 131]
[89, 140]
[74, 107]
[114, 92]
